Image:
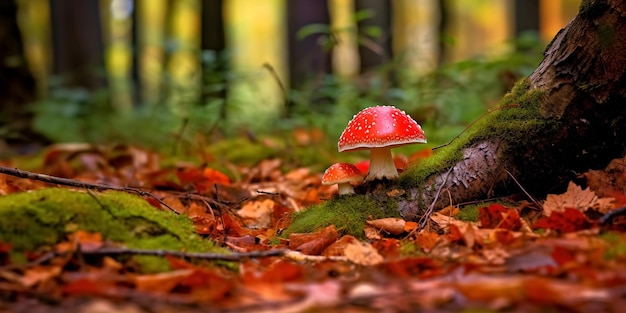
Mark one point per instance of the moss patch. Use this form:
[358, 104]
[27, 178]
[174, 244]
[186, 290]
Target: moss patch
[41, 218]
[518, 120]
[348, 213]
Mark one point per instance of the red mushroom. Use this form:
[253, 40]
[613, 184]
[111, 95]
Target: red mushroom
[342, 174]
[379, 129]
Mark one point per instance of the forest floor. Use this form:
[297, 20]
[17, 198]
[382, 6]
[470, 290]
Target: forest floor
[565, 252]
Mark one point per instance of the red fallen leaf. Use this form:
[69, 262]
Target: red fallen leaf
[230, 226]
[389, 247]
[202, 180]
[422, 267]
[562, 255]
[490, 216]
[85, 286]
[313, 243]
[569, 220]
[455, 233]
[498, 216]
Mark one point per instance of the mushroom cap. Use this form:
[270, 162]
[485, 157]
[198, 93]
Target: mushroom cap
[339, 173]
[378, 127]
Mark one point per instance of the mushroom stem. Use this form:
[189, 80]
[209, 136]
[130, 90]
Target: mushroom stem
[345, 188]
[381, 164]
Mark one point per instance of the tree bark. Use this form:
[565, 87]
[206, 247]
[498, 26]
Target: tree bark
[77, 43]
[213, 40]
[568, 116]
[308, 60]
[17, 84]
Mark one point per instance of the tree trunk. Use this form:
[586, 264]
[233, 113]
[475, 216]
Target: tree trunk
[77, 43]
[308, 60]
[17, 85]
[566, 117]
[213, 42]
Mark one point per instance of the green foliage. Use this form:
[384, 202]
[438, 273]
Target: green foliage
[39, 219]
[348, 213]
[444, 101]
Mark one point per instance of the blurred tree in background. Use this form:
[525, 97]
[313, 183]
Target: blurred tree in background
[17, 84]
[182, 67]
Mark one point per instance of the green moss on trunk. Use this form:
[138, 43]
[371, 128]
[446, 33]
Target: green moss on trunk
[36, 220]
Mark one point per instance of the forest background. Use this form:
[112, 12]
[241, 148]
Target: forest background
[162, 72]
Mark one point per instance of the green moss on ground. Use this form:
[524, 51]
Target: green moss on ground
[39, 219]
[348, 213]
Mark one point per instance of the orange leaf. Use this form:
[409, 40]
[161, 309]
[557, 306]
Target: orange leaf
[392, 225]
[216, 176]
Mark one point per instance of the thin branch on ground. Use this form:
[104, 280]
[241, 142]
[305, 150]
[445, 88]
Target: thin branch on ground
[524, 190]
[235, 256]
[78, 184]
[428, 212]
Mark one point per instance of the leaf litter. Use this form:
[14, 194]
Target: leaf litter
[561, 259]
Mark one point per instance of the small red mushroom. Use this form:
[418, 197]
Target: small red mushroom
[379, 129]
[342, 174]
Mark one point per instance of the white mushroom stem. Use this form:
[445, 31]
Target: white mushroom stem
[381, 164]
[345, 188]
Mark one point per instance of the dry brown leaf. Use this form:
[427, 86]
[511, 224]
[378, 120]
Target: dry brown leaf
[363, 253]
[257, 214]
[392, 225]
[372, 233]
[444, 220]
[609, 180]
[575, 198]
[338, 248]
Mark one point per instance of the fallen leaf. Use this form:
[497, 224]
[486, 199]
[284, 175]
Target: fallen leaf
[363, 253]
[498, 216]
[338, 247]
[161, 282]
[575, 197]
[313, 243]
[258, 213]
[392, 225]
[568, 220]
[611, 179]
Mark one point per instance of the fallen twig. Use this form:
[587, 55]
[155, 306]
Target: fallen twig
[428, 212]
[77, 183]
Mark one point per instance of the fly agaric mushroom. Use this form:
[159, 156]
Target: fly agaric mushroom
[379, 129]
[342, 174]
